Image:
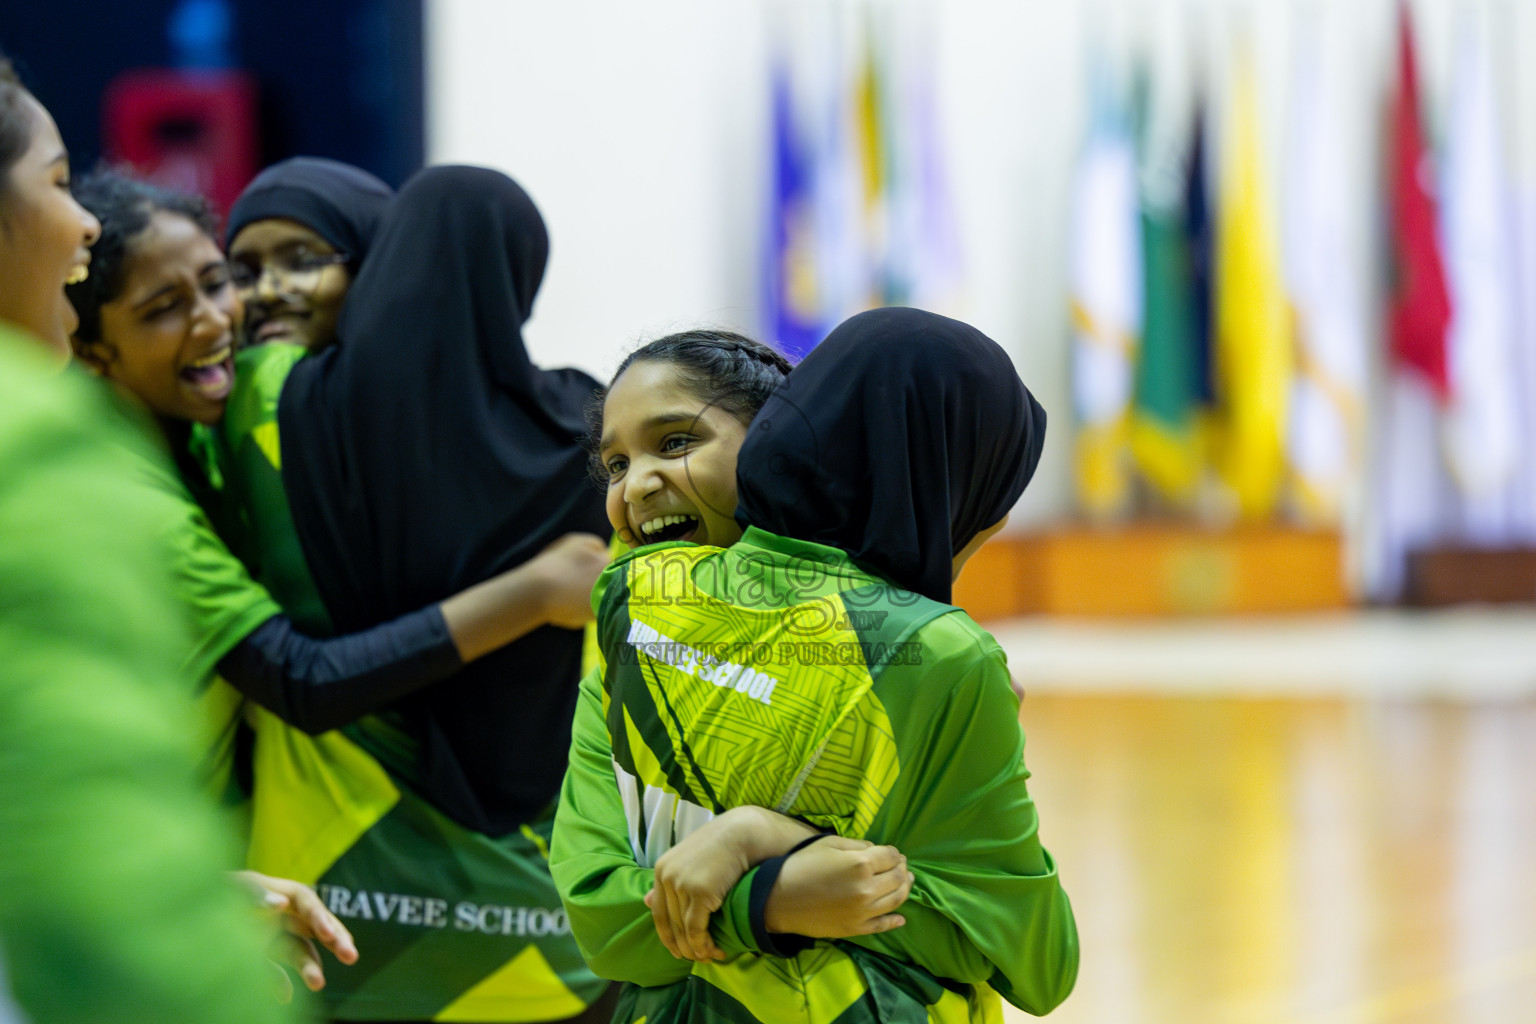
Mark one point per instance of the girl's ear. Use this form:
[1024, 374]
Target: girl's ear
[95, 356]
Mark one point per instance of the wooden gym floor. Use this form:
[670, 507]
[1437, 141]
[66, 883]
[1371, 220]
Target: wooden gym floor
[1264, 854]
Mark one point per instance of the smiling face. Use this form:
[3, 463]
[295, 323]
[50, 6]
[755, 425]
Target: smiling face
[168, 336]
[293, 282]
[45, 235]
[670, 460]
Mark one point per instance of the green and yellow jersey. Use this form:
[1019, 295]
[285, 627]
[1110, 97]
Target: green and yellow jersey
[778, 674]
[454, 925]
[222, 600]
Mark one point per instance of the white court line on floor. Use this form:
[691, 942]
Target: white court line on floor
[1482, 653]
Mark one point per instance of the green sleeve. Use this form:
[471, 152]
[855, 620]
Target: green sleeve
[731, 926]
[987, 904]
[112, 902]
[594, 868]
[218, 592]
[224, 603]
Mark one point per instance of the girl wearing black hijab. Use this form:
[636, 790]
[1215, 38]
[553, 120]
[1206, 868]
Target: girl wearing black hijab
[422, 449]
[812, 680]
[311, 222]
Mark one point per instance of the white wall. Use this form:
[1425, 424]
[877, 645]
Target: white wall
[641, 130]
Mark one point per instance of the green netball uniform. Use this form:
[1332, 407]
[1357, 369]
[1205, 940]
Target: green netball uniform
[776, 673]
[113, 905]
[225, 604]
[455, 925]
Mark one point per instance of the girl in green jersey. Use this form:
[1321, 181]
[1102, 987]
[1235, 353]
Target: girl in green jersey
[813, 670]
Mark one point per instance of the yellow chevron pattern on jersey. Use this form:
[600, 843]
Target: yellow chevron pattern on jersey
[822, 984]
[820, 746]
[265, 436]
[526, 979]
[819, 984]
[316, 797]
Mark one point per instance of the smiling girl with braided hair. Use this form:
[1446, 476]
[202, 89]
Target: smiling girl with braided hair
[799, 675]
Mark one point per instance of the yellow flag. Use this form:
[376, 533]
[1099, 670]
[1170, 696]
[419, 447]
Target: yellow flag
[1253, 329]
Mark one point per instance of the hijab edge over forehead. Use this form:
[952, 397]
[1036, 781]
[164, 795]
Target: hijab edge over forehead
[340, 203]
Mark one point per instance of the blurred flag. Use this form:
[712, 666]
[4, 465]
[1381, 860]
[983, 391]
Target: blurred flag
[1328, 391]
[1200, 230]
[1253, 343]
[1480, 421]
[923, 252]
[1106, 300]
[1163, 433]
[1409, 509]
[844, 259]
[871, 132]
[1523, 491]
[1421, 305]
[859, 212]
[793, 300]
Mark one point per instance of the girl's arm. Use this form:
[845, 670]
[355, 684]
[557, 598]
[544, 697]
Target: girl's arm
[833, 888]
[319, 685]
[985, 886]
[554, 588]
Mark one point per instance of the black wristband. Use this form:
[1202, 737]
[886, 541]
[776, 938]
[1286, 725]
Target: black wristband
[807, 841]
[782, 944]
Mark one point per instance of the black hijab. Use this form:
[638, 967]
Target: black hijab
[898, 439]
[340, 203]
[425, 452]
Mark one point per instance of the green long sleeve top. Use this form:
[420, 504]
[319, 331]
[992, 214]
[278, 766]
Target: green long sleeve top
[112, 902]
[777, 673]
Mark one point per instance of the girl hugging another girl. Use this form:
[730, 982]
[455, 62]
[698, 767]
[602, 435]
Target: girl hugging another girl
[796, 674]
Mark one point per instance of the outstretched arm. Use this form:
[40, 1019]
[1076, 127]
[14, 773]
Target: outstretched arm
[320, 684]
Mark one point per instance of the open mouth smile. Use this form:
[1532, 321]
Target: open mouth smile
[665, 528]
[213, 375]
[279, 326]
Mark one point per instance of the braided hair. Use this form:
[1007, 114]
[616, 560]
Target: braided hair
[721, 368]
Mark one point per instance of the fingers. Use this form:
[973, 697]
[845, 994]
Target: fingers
[663, 922]
[884, 858]
[696, 930]
[880, 908]
[883, 923]
[303, 913]
[304, 958]
[308, 916]
[891, 898]
[679, 931]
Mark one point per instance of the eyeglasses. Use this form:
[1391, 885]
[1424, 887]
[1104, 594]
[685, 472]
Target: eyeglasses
[294, 271]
